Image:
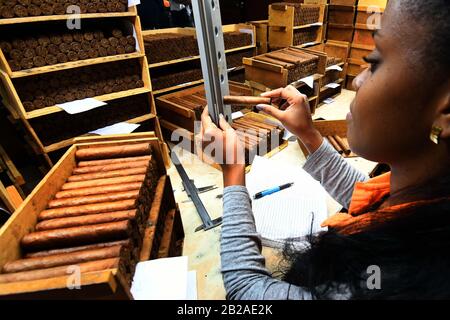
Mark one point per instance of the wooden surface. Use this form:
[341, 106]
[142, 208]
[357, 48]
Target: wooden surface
[203, 248]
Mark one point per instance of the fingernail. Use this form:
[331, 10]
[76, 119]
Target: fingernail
[220, 115]
[260, 107]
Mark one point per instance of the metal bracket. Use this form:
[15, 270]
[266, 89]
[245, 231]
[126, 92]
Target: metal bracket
[208, 25]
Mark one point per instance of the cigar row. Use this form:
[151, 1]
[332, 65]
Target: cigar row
[48, 49]
[75, 84]
[340, 144]
[32, 8]
[96, 222]
[306, 35]
[302, 15]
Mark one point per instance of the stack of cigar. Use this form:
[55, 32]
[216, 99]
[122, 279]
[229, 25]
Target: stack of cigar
[303, 36]
[98, 218]
[258, 135]
[340, 144]
[236, 39]
[74, 84]
[173, 78]
[299, 63]
[169, 46]
[41, 50]
[60, 126]
[302, 15]
[31, 8]
[234, 59]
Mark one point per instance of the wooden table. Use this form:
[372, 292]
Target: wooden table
[203, 248]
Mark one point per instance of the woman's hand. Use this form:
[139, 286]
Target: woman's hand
[295, 115]
[222, 146]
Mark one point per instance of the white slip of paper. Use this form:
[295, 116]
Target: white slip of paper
[117, 128]
[328, 101]
[333, 85]
[291, 212]
[309, 81]
[79, 106]
[132, 3]
[237, 115]
[334, 67]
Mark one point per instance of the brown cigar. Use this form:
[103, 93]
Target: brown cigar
[77, 236]
[80, 248]
[86, 220]
[113, 152]
[108, 174]
[343, 144]
[91, 266]
[63, 259]
[335, 145]
[102, 182]
[78, 201]
[84, 192]
[87, 209]
[246, 101]
[110, 167]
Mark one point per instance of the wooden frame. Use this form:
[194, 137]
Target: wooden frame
[22, 222]
[340, 32]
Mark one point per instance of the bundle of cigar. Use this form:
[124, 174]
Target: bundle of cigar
[172, 77]
[331, 75]
[38, 50]
[75, 84]
[340, 144]
[302, 15]
[60, 126]
[236, 39]
[299, 63]
[258, 135]
[235, 59]
[169, 46]
[303, 36]
[98, 218]
[32, 8]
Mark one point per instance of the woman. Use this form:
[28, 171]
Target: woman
[398, 224]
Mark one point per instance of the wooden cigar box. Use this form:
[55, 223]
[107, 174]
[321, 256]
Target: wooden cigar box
[341, 14]
[344, 2]
[160, 234]
[340, 32]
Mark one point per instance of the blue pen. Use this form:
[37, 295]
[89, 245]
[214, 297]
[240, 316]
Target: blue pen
[264, 193]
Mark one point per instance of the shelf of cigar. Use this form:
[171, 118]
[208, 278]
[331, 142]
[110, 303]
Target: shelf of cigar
[105, 206]
[295, 24]
[335, 133]
[52, 46]
[175, 45]
[22, 11]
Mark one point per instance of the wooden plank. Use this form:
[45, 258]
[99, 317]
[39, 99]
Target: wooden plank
[11, 92]
[75, 64]
[164, 247]
[4, 196]
[180, 86]
[16, 176]
[14, 196]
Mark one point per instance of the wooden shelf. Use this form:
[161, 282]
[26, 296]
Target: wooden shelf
[311, 25]
[170, 62]
[106, 97]
[66, 17]
[68, 142]
[74, 64]
[325, 88]
[179, 86]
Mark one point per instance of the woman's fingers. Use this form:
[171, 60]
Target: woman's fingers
[207, 123]
[224, 125]
[273, 94]
[270, 110]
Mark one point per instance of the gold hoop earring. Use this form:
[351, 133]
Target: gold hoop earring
[436, 134]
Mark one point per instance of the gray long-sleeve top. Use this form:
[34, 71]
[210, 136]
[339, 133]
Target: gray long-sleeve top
[243, 267]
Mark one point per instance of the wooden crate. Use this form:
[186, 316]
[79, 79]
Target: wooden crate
[355, 66]
[368, 15]
[262, 36]
[359, 51]
[329, 128]
[364, 35]
[344, 2]
[340, 32]
[341, 14]
[282, 31]
[109, 284]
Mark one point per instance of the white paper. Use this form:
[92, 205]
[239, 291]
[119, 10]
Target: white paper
[309, 81]
[133, 2]
[291, 213]
[79, 106]
[316, 24]
[237, 115]
[334, 67]
[328, 101]
[287, 134]
[118, 128]
[191, 285]
[333, 85]
[137, 42]
[309, 44]
[161, 279]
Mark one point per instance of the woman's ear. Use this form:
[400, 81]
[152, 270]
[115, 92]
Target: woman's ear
[443, 116]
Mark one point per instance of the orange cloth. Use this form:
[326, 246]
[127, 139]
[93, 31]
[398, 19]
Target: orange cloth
[360, 217]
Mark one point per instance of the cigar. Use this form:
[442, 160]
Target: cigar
[113, 152]
[91, 266]
[102, 182]
[52, 252]
[108, 197]
[343, 144]
[87, 209]
[84, 192]
[335, 145]
[245, 101]
[77, 236]
[108, 174]
[111, 166]
[91, 219]
[63, 259]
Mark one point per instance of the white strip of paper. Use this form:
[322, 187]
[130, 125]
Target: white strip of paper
[137, 42]
[328, 101]
[335, 67]
[79, 106]
[309, 81]
[237, 115]
[309, 44]
[132, 3]
[317, 24]
[333, 85]
[118, 128]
